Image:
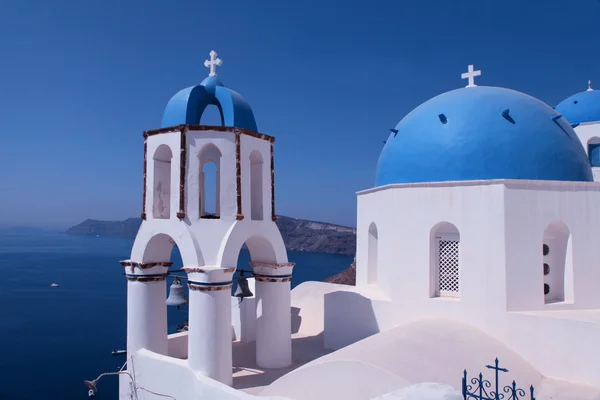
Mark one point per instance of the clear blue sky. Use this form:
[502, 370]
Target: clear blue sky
[81, 80]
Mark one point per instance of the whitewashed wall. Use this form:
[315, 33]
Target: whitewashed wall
[501, 225]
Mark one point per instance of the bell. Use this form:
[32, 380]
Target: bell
[242, 287]
[176, 294]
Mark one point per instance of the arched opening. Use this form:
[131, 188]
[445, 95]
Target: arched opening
[210, 181]
[373, 252]
[557, 263]
[593, 150]
[161, 204]
[444, 260]
[161, 248]
[256, 186]
[211, 116]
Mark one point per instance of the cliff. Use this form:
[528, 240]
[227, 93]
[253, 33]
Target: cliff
[298, 234]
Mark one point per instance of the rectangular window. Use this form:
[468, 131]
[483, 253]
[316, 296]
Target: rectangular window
[448, 266]
[594, 154]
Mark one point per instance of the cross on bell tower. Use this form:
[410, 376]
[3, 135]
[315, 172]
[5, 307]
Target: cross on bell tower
[470, 75]
[213, 63]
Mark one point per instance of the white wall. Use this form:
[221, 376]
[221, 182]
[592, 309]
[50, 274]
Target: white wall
[501, 226]
[178, 345]
[172, 377]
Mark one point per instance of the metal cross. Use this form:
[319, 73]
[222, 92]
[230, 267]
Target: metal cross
[590, 86]
[213, 63]
[471, 74]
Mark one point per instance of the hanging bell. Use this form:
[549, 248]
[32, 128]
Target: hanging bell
[176, 294]
[242, 287]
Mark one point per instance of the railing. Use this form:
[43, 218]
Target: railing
[478, 388]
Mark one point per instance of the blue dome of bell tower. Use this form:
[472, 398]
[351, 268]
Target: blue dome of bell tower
[187, 105]
[482, 133]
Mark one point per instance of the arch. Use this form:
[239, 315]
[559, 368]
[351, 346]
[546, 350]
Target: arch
[266, 246]
[161, 198]
[256, 186]
[210, 115]
[209, 153]
[444, 266]
[557, 263]
[593, 151]
[372, 254]
[155, 240]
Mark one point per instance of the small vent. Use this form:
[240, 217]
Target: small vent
[443, 118]
[506, 115]
[546, 269]
[545, 249]
[575, 102]
[448, 264]
[546, 289]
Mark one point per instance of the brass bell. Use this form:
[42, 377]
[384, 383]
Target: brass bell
[176, 294]
[242, 287]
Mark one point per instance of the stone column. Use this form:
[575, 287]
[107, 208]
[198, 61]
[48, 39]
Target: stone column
[273, 314]
[209, 329]
[146, 308]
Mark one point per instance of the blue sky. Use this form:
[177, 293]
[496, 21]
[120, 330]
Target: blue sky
[81, 80]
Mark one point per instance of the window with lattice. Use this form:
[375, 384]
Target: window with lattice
[448, 266]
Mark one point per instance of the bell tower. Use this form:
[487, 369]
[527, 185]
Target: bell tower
[175, 212]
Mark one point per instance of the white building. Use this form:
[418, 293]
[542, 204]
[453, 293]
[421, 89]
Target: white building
[478, 241]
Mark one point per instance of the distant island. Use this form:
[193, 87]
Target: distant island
[298, 234]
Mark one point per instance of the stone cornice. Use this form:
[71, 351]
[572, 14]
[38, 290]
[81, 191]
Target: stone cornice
[191, 128]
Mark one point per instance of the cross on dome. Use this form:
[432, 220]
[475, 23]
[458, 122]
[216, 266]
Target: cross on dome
[470, 75]
[213, 63]
[590, 86]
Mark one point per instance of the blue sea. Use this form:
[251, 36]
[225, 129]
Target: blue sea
[52, 338]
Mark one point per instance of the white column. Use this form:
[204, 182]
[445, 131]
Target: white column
[274, 316]
[209, 330]
[146, 308]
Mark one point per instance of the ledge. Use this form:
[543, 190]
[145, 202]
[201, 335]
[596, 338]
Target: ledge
[179, 128]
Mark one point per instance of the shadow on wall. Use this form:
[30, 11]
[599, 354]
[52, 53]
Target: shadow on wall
[296, 320]
[349, 317]
[248, 375]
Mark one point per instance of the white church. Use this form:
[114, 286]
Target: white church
[479, 242]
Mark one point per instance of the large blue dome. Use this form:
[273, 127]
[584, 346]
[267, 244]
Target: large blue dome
[581, 107]
[481, 133]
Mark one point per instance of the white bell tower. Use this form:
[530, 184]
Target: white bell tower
[175, 212]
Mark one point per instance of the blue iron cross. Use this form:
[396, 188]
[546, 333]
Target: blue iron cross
[477, 390]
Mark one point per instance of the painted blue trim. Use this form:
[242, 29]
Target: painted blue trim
[594, 154]
[187, 105]
[145, 275]
[273, 276]
[210, 283]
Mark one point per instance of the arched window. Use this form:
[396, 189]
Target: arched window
[373, 253]
[161, 199]
[256, 186]
[211, 116]
[445, 260]
[593, 148]
[557, 264]
[210, 181]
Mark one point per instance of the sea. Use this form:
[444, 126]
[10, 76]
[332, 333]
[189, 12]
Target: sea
[52, 338]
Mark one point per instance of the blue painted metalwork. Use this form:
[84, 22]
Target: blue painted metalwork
[478, 387]
[187, 105]
[594, 154]
[581, 107]
[490, 133]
